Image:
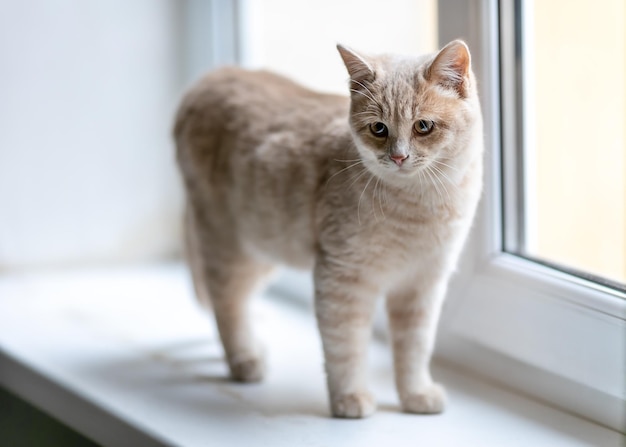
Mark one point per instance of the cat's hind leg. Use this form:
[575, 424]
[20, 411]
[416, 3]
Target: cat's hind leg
[230, 285]
[194, 259]
[227, 278]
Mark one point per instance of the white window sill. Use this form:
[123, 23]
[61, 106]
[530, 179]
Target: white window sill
[126, 357]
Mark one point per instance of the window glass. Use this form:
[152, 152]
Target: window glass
[298, 38]
[574, 95]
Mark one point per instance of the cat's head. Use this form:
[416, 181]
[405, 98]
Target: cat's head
[410, 115]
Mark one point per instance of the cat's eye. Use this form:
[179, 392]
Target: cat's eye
[379, 129]
[424, 127]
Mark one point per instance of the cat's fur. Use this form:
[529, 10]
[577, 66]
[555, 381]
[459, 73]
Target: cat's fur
[278, 174]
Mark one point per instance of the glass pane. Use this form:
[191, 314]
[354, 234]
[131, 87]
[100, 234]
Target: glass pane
[574, 87]
[298, 38]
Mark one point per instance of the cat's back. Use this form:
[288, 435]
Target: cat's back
[233, 89]
[251, 103]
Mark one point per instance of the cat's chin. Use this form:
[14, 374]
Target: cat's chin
[401, 173]
[400, 178]
[406, 172]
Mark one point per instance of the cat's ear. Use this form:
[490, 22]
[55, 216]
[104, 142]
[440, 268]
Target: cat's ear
[451, 68]
[359, 68]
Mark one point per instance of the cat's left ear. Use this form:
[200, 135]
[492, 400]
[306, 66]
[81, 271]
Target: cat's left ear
[451, 68]
[359, 68]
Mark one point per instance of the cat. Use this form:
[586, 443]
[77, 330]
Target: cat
[375, 192]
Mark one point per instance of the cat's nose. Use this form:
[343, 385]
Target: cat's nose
[398, 159]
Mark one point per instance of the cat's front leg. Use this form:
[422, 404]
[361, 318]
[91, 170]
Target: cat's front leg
[344, 304]
[413, 317]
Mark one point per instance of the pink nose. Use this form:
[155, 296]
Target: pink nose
[398, 159]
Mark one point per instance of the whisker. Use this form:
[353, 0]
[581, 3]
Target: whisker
[432, 182]
[445, 164]
[373, 110]
[342, 170]
[443, 186]
[364, 94]
[374, 116]
[380, 191]
[438, 170]
[367, 96]
[359, 83]
[358, 208]
[436, 178]
[421, 179]
[384, 191]
[449, 181]
[373, 200]
[363, 171]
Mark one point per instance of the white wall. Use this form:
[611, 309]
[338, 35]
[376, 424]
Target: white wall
[88, 90]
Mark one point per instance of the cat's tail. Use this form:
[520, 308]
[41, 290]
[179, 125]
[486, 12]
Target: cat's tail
[194, 259]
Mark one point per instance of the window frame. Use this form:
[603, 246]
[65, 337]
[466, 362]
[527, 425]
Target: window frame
[554, 336]
[212, 32]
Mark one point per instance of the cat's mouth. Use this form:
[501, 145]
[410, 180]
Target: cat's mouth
[409, 167]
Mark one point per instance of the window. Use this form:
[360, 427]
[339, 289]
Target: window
[314, 28]
[519, 311]
[570, 133]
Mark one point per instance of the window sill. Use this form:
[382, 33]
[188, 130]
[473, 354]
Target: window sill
[125, 356]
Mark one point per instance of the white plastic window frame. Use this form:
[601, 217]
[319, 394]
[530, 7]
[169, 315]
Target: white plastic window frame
[212, 33]
[556, 337]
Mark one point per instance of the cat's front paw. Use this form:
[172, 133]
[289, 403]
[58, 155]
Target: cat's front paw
[431, 400]
[247, 369]
[353, 405]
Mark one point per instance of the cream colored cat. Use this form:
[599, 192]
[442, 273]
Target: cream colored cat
[376, 193]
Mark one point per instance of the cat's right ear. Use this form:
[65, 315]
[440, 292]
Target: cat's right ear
[359, 68]
[451, 68]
